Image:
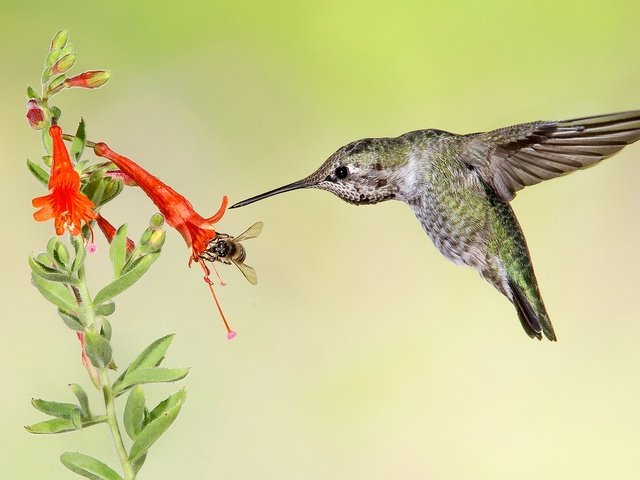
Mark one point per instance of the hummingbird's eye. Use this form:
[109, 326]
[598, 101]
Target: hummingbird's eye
[342, 172]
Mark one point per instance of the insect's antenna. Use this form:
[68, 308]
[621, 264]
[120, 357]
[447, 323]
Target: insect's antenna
[230, 333]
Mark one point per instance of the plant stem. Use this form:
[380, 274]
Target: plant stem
[109, 400]
[112, 420]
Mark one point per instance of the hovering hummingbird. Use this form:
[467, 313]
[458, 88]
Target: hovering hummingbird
[460, 186]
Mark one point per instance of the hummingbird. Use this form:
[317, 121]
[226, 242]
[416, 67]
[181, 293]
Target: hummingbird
[459, 188]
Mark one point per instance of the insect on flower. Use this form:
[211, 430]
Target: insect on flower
[227, 249]
[66, 204]
[197, 231]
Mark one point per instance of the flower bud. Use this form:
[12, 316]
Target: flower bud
[156, 221]
[56, 85]
[36, 115]
[63, 64]
[90, 79]
[59, 40]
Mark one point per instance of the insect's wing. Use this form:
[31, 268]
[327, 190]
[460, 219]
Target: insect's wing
[252, 232]
[248, 272]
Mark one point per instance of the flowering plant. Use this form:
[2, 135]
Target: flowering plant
[78, 191]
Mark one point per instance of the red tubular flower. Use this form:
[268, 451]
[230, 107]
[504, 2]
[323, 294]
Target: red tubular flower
[109, 232]
[196, 230]
[66, 204]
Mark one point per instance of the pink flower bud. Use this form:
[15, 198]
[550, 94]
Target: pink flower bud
[36, 116]
[90, 79]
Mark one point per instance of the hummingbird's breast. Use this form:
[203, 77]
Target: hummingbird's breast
[451, 204]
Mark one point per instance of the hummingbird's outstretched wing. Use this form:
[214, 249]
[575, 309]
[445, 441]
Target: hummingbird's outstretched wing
[514, 157]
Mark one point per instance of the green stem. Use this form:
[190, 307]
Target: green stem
[112, 421]
[90, 318]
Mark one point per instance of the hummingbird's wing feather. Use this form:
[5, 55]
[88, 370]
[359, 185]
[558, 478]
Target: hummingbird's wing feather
[527, 154]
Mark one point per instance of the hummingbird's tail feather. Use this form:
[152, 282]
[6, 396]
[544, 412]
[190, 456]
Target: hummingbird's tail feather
[534, 322]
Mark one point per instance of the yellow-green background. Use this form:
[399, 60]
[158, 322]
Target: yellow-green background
[362, 353]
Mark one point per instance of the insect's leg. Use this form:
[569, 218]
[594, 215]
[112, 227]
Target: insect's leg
[220, 281]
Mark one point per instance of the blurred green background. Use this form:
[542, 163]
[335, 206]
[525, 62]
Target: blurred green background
[362, 353]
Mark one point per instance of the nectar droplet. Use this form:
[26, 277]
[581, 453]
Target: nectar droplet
[231, 335]
[92, 248]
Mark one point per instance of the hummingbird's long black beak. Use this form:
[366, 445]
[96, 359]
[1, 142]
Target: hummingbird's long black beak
[270, 193]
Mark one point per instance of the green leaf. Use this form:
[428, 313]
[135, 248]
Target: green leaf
[125, 281]
[46, 141]
[51, 274]
[31, 93]
[134, 412]
[56, 293]
[105, 329]
[98, 348]
[167, 404]
[156, 428]
[55, 425]
[150, 375]
[71, 321]
[118, 250]
[56, 113]
[83, 399]
[38, 172]
[81, 254]
[138, 462]
[98, 192]
[77, 146]
[88, 467]
[55, 409]
[106, 309]
[58, 252]
[112, 189]
[150, 356]
[76, 418]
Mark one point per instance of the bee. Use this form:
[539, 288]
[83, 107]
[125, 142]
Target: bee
[227, 249]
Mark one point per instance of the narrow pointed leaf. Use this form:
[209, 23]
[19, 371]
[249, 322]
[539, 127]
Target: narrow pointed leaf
[76, 418]
[55, 425]
[71, 321]
[118, 250]
[112, 189]
[106, 309]
[81, 254]
[150, 356]
[56, 293]
[31, 93]
[98, 349]
[125, 281]
[154, 430]
[168, 403]
[83, 399]
[150, 375]
[138, 462]
[88, 467]
[55, 409]
[50, 273]
[38, 172]
[134, 412]
[77, 146]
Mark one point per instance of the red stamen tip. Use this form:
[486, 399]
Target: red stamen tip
[92, 248]
[231, 335]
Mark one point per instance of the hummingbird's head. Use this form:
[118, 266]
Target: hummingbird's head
[363, 172]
